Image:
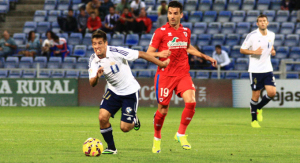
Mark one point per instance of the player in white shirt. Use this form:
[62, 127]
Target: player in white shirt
[259, 46]
[122, 89]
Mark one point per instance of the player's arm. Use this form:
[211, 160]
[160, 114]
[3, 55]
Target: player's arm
[163, 54]
[273, 52]
[152, 59]
[94, 80]
[247, 44]
[258, 51]
[193, 51]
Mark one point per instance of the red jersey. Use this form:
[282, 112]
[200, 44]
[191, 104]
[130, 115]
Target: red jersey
[177, 41]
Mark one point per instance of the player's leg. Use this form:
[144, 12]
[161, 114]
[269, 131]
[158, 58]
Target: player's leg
[256, 80]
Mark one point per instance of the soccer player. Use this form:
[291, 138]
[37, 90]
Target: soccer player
[259, 46]
[175, 77]
[122, 89]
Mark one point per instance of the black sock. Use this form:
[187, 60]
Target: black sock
[108, 137]
[264, 101]
[253, 110]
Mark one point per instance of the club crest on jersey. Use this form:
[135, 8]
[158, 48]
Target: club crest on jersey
[173, 44]
[161, 99]
[185, 34]
[169, 34]
[128, 110]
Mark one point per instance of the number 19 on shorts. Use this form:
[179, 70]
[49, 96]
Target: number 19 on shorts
[164, 92]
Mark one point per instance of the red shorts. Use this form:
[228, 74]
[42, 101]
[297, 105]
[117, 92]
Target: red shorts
[164, 86]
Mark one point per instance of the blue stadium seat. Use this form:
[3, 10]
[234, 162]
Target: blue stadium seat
[75, 39]
[224, 16]
[117, 40]
[238, 16]
[234, 5]
[245, 75]
[252, 15]
[42, 27]
[226, 49]
[297, 66]
[151, 4]
[153, 15]
[29, 74]
[291, 40]
[44, 74]
[213, 27]
[15, 74]
[297, 30]
[274, 27]
[154, 27]
[82, 63]
[75, 4]
[145, 74]
[190, 5]
[228, 27]
[219, 5]
[79, 50]
[282, 52]
[218, 39]
[87, 39]
[192, 74]
[132, 39]
[203, 39]
[55, 27]
[232, 75]
[242, 27]
[50, 4]
[287, 28]
[187, 25]
[208, 50]
[29, 26]
[63, 35]
[134, 73]
[193, 39]
[63, 4]
[282, 16]
[292, 76]
[209, 16]
[248, 5]
[84, 74]
[263, 4]
[40, 15]
[205, 5]
[70, 48]
[3, 73]
[254, 26]
[232, 39]
[279, 39]
[58, 74]
[89, 50]
[53, 14]
[152, 66]
[293, 17]
[4, 6]
[138, 48]
[42, 61]
[275, 63]
[139, 64]
[195, 16]
[202, 75]
[235, 52]
[54, 62]
[289, 67]
[68, 63]
[241, 64]
[275, 4]
[11, 62]
[145, 39]
[199, 28]
[270, 14]
[295, 52]
[26, 62]
[72, 74]
[214, 75]
[2, 62]
[20, 38]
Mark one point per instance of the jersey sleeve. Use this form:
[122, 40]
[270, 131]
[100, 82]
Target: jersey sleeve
[156, 38]
[92, 67]
[247, 42]
[124, 53]
[189, 34]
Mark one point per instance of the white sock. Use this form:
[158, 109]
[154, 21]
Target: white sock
[156, 138]
[180, 134]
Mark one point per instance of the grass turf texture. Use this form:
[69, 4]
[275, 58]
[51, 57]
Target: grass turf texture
[56, 134]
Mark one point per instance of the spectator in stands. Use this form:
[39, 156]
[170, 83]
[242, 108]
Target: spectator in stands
[111, 20]
[82, 21]
[197, 62]
[222, 57]
[33, 46]
[93, 6]
[104, 8]
[94, 23]
[162, 11]
[126, 22]
[143, 24]
[286, 5]
[7, 45]
[296, 4]
[71, 21]
[49, 42]
[120, 6]
[136, 6]
[60, 47]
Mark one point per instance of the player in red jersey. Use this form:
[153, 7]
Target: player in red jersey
[175, 77]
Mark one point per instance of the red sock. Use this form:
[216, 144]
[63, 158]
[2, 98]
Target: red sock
[158, 123]
[186, 117]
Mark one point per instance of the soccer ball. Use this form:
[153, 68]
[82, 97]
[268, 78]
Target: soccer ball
[92, 147]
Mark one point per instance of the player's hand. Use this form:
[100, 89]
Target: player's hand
[164, 54]
[273, 52]
[258, 51]
[100, 72]
[213, 62]
[165, 63]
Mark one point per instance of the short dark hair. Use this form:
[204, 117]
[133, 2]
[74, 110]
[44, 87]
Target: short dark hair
[29, 35]
[99, 34]
[176, 4]
[218, 46]
[112, 7]
[70, 10]
[55, 38]
[262, 16]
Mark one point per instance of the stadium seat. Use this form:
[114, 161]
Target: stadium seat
[226, 49]
[50, 4]
[252, 15]
[3, 73]
[232, 75]
[282, 16]
[192, 74]
[209, 16]
[54, 62]
[297, 30]
[295, 52]
[242, 27]
[228, 27]
[282, 52]
[287, 28]
[275, 4]
[224, 16]
[291, 40]
[150, 4]
[187, 25]
[63, 35]
[213, 27]
[15, 74]
[87, 39]
[193, 39]
[2, 62]
[232, 39]
[84, 74]
[205, 5]
[279, 39]
[245, 75]
[208, 50]
[297, 66]
[263, 4]
[42, 27]
[145, 39]
[275, 63]
[132, 39]
[82, 63]
[202, 75]
[134, 73]
[139, 48]
[79, 50]
[254, 26]
[152, 66]
[292, 76]
[72, 74]
[289, 67]
[4, 6]
[53, 14]
[293, 17]
[139, 64]
[248, 5]
[203, 39]
[190, 5]
[274, 27]
[214, 75]
[199, 28]
[154, 27]
[89, 51]
[241, 64]
[68, 63]
[29, 74]
[40, 15]
[153, 15]
[235, 52]
[195, 16]
[55, 27]
[11, 62]
[58, 74]
[26, 62]
[145, 74]
[117, 40]
[63, 4]
[238, 16]
[219, 5]
[218, 39]
[20, 38]
[75, 39]
[75, 4]
[70, 48]
[234, 5]
[270, 14]
[42, 61]
[29, 26]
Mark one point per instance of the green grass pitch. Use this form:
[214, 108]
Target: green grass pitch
[56, 134]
